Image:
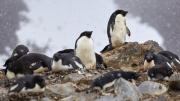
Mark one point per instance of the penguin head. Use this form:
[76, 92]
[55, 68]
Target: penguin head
[133, 75]
[86, 33]
[122, 12]
[149, 56]
[57, 56]
[40, 81]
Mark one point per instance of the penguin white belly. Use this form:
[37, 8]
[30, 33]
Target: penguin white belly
[148, 65]
[57, 66]
[41, 69]
[37, 88]
[85, 51]
[10, 75]
[118, 34]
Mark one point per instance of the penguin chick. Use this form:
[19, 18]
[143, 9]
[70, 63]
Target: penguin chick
[28, 83]
[108, 79]
[66, 61]
[84, 49]
[161, 71]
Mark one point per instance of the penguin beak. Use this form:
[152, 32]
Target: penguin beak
[89, 34]
[126, 11]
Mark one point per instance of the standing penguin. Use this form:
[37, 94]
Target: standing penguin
[84, 49]
[18, 52]
[117, 30]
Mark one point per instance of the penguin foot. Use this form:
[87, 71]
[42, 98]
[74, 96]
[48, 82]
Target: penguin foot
[106, 49]
[125, 43]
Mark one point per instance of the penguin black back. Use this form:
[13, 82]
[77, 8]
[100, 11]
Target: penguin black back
[18, 52]
[169, 55]
[28, 83]
[66, 61]
[28, 64]
[109, 78]
[160, 71]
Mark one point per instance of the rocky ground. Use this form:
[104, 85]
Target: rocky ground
[65, 86]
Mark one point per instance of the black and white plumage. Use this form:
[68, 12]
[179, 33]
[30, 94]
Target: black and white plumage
[99, 59]
[28, 83]
[84, 49]
[152, 59]
[169, 55]
[108, 79]
[117, 30]
[28, 64]
[66, 61]
[161, 71]
[18, 52]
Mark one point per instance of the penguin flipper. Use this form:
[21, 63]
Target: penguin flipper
[106, 49]
[11, 59]
[176, 62]
[128, 31]
[16, 86]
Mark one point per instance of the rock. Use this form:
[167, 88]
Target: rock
[82, 97]
[174, 81]
[152, 88]
[129, 57]
[65, 89]
[87, 80]
[73, 78]
[3, 90]
[160, 99]
[118, 97]
[46, 99]
[122, 86]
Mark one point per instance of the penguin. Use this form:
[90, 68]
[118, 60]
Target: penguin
[28, 83]
[99, 59]
[28, 64]
[18, 52]
[66, 61]
[108, 79]
[161, 72]
[117, 30]
[84, 49]
[169, 55]
[151, 59]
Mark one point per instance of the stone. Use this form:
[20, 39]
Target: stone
[65, 89]
[122, 86]
[74, 77]
[174, 81]
[82, 97]
[87, 80]
[118, 97]
[129, 57]
[46, 99]
[152, 88]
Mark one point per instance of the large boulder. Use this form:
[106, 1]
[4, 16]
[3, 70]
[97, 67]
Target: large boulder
[130, 57]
